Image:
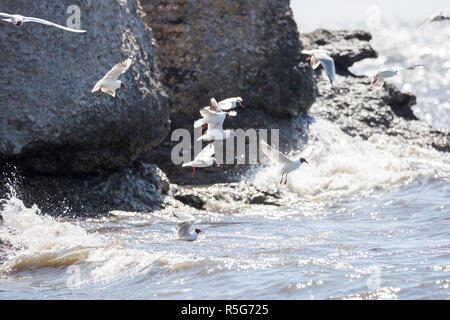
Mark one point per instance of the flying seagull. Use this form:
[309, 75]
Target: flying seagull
[203, 159]
[185, 231]
[286, 165]
[437, 17]
[317, 57]
[19, 20]
[378, 79]
[109, 83]
[212, 115]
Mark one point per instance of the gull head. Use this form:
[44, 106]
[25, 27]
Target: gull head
[17, 20]
[303, 160]
[198, 231]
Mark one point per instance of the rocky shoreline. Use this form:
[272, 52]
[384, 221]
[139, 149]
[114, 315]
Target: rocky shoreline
[71, 154]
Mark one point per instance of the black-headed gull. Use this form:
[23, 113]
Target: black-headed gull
[109, 83]
[203, 159]
[286, 165]
[317, 57]
[212, 114]
[19, 20]
[378, 79]
[437, 17]
[185, 231]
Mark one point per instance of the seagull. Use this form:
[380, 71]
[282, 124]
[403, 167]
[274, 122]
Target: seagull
[19, 20]
[203, 159]
[230, 103]
[214, 117]
[212, 114]
[437, 17]
[184, 227]
[377, 80]
[287, 165]
[109, 83]
[317, 57]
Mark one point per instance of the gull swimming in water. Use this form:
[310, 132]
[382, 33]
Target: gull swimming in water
[19, 20]
[437, 17]
[109, 83]
[286, 165]
[203, 159]
[185, 231]
[378, 79]
[317, 57]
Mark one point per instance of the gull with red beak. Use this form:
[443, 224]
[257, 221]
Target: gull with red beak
[318, 57]
[185, 231]
[203, 159]
[109, 83]
[285, 165]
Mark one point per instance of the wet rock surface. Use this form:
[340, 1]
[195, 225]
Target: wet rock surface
[142, 187]
[49, 120]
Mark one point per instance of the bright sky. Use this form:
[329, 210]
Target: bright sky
[334, 14]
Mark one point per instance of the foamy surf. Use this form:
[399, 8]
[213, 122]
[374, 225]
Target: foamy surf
[341, 165]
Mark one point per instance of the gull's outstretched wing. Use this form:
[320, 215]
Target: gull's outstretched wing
[273, 154]
[328, 65]
[37, 20]
[214, 105]
[184, 217]
[118, 69]
[5, 15]
[229, 103]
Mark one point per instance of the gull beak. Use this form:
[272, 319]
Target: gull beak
[309, 58]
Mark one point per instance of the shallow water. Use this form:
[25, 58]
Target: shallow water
[373, 222]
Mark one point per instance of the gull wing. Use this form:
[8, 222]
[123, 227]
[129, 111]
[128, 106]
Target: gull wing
[118, 69]
[328, 65]
[229, 103]
[5, 15]
[184, 217]
[206, 153]
[214, 105]
[273, 154]
[42, 21]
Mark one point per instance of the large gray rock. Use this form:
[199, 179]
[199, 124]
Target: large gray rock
[247, 48]
[49, 120]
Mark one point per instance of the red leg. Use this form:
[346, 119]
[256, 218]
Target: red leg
[193, 171]
[204, 126]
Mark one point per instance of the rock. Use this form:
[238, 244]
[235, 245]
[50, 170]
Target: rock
[221, 49]
[247, 48]
[50, 121]
[346, 47]
[364, 111]
[142, 187]
[231, 197]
